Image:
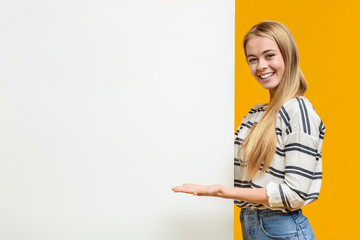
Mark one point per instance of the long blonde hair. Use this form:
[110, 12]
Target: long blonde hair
[260, 144]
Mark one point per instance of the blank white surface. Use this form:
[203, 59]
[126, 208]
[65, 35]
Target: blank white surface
[105, 106]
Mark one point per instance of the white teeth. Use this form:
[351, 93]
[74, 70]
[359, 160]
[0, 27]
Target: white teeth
[266, 76]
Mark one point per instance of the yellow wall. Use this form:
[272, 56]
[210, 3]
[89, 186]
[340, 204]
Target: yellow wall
[327, 35]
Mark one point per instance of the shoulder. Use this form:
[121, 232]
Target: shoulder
[257, 108]
[298, 114]
[300, 107]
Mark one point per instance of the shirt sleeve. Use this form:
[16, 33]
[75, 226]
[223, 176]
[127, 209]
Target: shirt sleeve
[302, 136]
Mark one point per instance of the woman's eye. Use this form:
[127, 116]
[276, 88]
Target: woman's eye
[252, 60]
[270, 55]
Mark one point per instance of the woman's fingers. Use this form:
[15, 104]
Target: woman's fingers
[199, 190]
[189, 184]
[190, 188]
[186, 189]
[184, 186]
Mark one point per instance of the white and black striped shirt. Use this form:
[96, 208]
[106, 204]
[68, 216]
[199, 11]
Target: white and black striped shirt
[295, 174]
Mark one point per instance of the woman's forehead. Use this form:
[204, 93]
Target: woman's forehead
[258, 44]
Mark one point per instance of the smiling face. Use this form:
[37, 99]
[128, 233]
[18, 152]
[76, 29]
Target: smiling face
[265, 61]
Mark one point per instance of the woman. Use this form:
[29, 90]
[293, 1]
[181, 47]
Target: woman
[278, 145]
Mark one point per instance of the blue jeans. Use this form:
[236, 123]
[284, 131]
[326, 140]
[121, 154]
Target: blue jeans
[274, 224]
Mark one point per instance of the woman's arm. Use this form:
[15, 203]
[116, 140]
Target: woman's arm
[254, 195]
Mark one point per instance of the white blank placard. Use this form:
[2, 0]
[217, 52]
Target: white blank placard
[105, 106]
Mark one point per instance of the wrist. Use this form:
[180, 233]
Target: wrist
[222, 191]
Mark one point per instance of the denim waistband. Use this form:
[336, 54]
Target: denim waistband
[267, 212]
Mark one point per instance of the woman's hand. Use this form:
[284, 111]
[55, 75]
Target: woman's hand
[254, 195]
[200, 190]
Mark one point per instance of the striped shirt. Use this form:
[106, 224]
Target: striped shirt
[294, 176]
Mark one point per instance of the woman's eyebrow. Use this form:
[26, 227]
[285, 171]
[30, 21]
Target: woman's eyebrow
[268, 50]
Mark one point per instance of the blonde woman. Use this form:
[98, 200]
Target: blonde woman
[278, 145]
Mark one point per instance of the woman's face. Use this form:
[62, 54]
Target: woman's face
[265, 61]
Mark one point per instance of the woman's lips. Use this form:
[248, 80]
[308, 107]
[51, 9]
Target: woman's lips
[265, 76]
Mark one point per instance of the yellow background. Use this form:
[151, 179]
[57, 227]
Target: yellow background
[328, 39]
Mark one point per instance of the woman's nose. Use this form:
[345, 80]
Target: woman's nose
[262, 64]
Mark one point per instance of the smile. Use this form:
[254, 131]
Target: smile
[266, 75]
